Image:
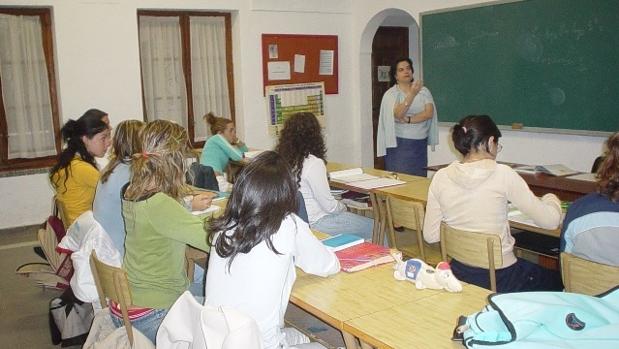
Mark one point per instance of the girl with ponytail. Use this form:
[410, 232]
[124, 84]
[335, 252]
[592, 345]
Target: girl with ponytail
[75, 175]
[158, 227]
[472, 194]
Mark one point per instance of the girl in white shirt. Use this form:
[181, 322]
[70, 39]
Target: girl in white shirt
[303, 147]
[256, 245]
[473, 194]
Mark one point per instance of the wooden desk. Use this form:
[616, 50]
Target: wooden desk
[346, 296]
[422, 323]
[565, 188]
[418, 191]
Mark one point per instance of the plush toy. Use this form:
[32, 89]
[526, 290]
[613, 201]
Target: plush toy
[424, 276]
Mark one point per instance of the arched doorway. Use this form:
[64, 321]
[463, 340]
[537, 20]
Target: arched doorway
[389, 35]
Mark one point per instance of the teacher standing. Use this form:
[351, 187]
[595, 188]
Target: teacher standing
[407, 123]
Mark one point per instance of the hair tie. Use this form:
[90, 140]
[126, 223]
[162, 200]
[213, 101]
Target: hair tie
[145, 155]
[464, 129]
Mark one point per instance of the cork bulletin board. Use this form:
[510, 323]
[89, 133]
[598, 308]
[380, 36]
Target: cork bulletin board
[294, 59]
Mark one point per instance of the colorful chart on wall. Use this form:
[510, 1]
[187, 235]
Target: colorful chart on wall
[285, 100]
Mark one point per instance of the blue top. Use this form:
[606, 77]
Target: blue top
[217, 152]
[591, 229]
[107, 205]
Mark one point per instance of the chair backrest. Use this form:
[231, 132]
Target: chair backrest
[301, 210]
[203, 177]
[468, 247]
[112, 284]
[587, 277]
[596, 164]
[407, 214]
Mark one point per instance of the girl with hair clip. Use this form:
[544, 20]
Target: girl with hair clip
[158, 227]
[75, 175]
[473, 194]
[591, 226]
[303, 147]
[222, 146]
[258, 242]
[106, 207]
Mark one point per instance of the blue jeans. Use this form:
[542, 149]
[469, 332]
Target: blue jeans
[196, 287]
[345, 223]
[148, 325]
[410, 156]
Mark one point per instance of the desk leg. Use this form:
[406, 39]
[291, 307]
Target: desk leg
[377, 231]
[364, 345]
[350, 341]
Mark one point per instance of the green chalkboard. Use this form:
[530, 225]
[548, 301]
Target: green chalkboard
[544, 63]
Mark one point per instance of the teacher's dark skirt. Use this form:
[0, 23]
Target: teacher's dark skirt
[410, 156]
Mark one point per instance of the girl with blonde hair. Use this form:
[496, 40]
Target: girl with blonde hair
[106, 207]
[158, 226]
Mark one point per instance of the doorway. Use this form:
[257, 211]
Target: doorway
[388, 45]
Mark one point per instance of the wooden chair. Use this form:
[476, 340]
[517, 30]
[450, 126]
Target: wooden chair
[587, 277]
[407, 214]
[112, 283]
[468, 247]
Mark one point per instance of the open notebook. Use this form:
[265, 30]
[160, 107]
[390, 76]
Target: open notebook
[356, 178]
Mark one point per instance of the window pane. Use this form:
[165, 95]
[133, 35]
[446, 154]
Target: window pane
[208, 71]
[165, 96]
[25, 88]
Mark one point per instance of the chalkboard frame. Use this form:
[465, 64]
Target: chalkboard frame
[515, 126]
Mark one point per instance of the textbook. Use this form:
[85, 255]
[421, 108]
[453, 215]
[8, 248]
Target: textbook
[341, 241]
[356, 178]
[363, 256]
[351, 175]
[553, 170]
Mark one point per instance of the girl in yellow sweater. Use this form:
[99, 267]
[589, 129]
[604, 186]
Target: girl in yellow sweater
[75, 175]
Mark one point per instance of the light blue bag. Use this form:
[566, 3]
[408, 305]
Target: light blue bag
[539, 320]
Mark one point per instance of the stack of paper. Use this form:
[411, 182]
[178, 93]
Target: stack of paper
[356, 178]
[352, 175]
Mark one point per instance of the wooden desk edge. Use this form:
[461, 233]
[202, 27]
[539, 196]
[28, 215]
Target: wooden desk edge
[364, 338]
[316, 312]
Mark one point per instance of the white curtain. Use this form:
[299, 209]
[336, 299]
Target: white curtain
[208, 71]
[25, 88]
[165, 96]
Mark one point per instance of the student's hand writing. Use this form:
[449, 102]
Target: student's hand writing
[201, 202]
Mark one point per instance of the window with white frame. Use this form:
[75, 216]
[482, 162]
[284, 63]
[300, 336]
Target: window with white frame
[186, 63]
[28, 106]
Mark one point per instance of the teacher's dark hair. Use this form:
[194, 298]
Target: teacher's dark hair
[394, 68]
[72, 131]
[608, 174]
[474, 131]
[300, 137]
[263, 195]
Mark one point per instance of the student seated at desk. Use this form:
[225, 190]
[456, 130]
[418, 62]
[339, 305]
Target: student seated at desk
[222, 146]
[258, 241]
[303, 147]
[591, 226]
[473, 194]
[75, 175]
[158, 227]
[106, 207]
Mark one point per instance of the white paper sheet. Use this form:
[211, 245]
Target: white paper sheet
[278, 70]
[326, 62]
[299, 63]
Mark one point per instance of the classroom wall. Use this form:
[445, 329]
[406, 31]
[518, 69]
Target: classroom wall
[577, 152]
[96, 48]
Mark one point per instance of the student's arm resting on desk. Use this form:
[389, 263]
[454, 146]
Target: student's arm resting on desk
[433, 218]
[311, 255]
[319, 185]
[545, 212]
[173, 221]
